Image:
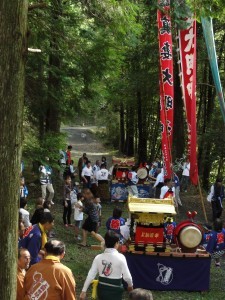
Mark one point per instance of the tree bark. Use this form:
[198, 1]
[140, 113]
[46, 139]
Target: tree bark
[129, 144]
[53, 117]
[122, 128]
[142, 140]
[37, 5]
[178, 133]
[13, 49]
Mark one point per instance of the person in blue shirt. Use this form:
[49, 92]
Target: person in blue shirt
[216, 243]
[206, 235]
[35, 237]
[114, 222]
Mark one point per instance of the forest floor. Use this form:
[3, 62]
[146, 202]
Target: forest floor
[80, 259]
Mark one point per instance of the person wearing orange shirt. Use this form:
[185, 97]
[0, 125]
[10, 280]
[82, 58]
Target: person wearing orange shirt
[22, 265]
[50, 279]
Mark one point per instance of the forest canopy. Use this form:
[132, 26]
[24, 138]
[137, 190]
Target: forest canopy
[99, 64]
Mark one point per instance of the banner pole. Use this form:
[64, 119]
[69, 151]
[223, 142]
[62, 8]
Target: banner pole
[202, 201]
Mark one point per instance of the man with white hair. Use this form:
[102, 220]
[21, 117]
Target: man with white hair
[50, 279]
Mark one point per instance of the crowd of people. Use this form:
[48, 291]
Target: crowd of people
[41, 275]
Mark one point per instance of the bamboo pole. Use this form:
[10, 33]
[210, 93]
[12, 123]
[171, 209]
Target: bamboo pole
[202, 201]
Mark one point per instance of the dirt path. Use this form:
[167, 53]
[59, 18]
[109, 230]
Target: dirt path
[83, 140]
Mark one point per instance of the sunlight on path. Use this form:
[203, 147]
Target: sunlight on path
[83, 140]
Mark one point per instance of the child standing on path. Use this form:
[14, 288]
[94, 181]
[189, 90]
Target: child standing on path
[67, 202]
[78, 216]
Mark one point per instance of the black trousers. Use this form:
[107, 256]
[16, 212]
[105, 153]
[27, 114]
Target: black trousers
[88, 183]
[67, 212]
[158, 189]
[216, 209]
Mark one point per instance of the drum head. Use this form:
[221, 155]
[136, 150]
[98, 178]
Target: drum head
[190, 236]
[142, 173]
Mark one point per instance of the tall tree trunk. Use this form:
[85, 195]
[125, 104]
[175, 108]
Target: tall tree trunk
[178, 133]
[54, 78]
[13, 49]
[207, 143]
[129, 145]
[155, 141]
[201, 123]
[42, 99]
[122, 129]
[142, 140]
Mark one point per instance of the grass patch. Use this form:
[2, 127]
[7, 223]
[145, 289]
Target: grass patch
[80, 259]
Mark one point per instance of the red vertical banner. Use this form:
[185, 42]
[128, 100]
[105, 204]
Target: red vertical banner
[165, 141]
[187, 45]
[166, 83]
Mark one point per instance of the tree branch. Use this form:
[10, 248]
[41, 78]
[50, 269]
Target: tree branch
[37, 5]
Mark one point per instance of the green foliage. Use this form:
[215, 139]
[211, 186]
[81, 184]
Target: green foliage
[31, 146]
[203, 8]
[99, 56]
[82, 44]
[35, 149]
[180, 12]
[109, 135]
